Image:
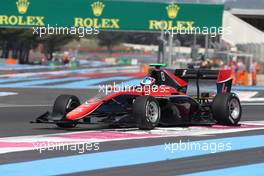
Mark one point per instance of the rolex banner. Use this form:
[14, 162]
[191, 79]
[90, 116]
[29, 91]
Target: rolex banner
[108, 15]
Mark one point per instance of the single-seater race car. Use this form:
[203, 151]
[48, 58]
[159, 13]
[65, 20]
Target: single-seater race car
[164, 98]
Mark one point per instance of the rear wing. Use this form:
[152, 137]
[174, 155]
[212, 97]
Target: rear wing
[223, 78]
[187, 74]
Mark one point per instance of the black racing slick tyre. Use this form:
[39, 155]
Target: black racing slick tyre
[226, 109]
[64, 104]
[146, 111]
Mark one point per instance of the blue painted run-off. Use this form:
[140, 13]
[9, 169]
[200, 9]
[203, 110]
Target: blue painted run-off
[248, 170]
[118, 158]
[248, 88]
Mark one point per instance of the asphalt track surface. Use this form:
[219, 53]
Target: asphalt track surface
[17, 110]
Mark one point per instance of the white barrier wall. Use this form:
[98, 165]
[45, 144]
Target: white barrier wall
[238, 31]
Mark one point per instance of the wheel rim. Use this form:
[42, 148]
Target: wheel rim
[152, 112]
[234, 108]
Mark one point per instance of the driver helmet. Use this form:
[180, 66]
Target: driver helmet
[148, 81]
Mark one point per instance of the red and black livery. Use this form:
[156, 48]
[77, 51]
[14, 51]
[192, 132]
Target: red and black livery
[166, 102]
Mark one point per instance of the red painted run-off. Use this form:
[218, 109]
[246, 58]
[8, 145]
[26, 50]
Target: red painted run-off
[32, 144]
[15, 144]
[96, 75]
[234, 127]
[83, 137]
[105, 136]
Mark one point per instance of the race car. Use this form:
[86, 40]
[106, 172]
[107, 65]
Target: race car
[163, 98]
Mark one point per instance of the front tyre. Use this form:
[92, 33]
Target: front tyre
[64, 104]
[146, 111]
[226, 109]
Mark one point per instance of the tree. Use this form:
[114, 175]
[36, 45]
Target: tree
[16, 41]
[20, 41]
[109, 39]
[53, 43]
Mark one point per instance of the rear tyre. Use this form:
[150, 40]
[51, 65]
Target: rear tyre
[226, 109]
[146, 111]
[64, 104]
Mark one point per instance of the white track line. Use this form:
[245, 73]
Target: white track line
[22, 106]
[252, 104]
[3, 94]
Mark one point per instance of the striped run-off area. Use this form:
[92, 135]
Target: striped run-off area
[72, 79]
[139, 155]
